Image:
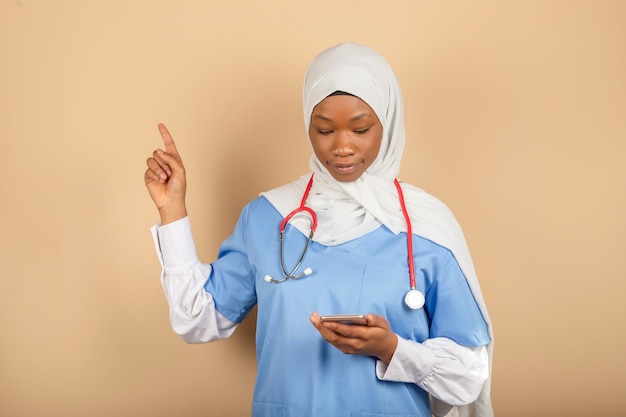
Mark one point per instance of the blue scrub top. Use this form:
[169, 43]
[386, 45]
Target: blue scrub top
[299, 373]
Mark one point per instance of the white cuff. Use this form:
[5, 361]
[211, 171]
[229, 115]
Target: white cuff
[174, 244]
[411, 363]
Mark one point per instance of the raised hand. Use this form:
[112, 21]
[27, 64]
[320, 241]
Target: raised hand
[373, 339]
[166, 180]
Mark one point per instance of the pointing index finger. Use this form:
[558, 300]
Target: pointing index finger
[170, 146]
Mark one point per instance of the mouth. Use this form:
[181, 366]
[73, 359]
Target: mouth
[344, 168]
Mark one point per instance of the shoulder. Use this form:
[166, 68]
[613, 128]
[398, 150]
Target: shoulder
[426, 207]
[259, 207]
[433, 220]
[286, 197]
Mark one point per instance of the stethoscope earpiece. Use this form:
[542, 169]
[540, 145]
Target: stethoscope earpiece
[268, 278]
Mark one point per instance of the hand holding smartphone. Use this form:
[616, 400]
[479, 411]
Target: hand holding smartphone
[346, 318]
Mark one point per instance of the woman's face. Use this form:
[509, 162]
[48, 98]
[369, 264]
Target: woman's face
[346, 135]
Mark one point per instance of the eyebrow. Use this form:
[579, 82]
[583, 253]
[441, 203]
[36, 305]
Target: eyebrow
[352, 119]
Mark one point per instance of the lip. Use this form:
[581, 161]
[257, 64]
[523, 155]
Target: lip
[344, 168]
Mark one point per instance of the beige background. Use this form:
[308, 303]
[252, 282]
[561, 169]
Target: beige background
[515, 118]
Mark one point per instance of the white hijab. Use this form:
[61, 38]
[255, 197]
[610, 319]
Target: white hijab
[349, 210]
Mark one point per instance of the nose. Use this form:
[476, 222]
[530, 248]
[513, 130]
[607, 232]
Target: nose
[344, 144]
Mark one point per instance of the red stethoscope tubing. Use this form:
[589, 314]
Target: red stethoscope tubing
[409, 229]
[302, 207]
[409, 233]
[414, 299]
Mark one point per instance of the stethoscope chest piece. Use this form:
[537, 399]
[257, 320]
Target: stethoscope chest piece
[414, 299]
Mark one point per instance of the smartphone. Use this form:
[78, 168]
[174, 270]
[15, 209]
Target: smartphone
[346, 318]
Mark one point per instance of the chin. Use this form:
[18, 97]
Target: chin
[346, 178]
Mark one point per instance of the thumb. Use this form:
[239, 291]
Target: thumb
[374, 320]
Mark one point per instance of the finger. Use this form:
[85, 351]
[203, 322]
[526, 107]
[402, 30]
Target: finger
[165, 161]
[346, 344]
[315, 319]
[171, 164]
[158, 170]
[322, 326]
[345, 330]
[168, 141]
[150, 176]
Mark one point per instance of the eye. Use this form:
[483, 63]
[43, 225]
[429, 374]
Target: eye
[324, 132]
[361, 131]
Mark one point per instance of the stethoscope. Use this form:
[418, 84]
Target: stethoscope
[414, 298]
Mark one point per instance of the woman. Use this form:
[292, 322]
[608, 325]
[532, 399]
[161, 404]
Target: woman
[435, 342]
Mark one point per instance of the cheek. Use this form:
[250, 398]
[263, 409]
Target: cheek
[317, 150]
[376, 150]
[318, 154]
[320, 147]
[374, 147]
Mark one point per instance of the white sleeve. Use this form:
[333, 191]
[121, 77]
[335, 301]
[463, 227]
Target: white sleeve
[192, 310]
[452, 373]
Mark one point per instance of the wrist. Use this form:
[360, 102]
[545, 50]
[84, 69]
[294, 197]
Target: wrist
[172, 212]
[390, 349]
